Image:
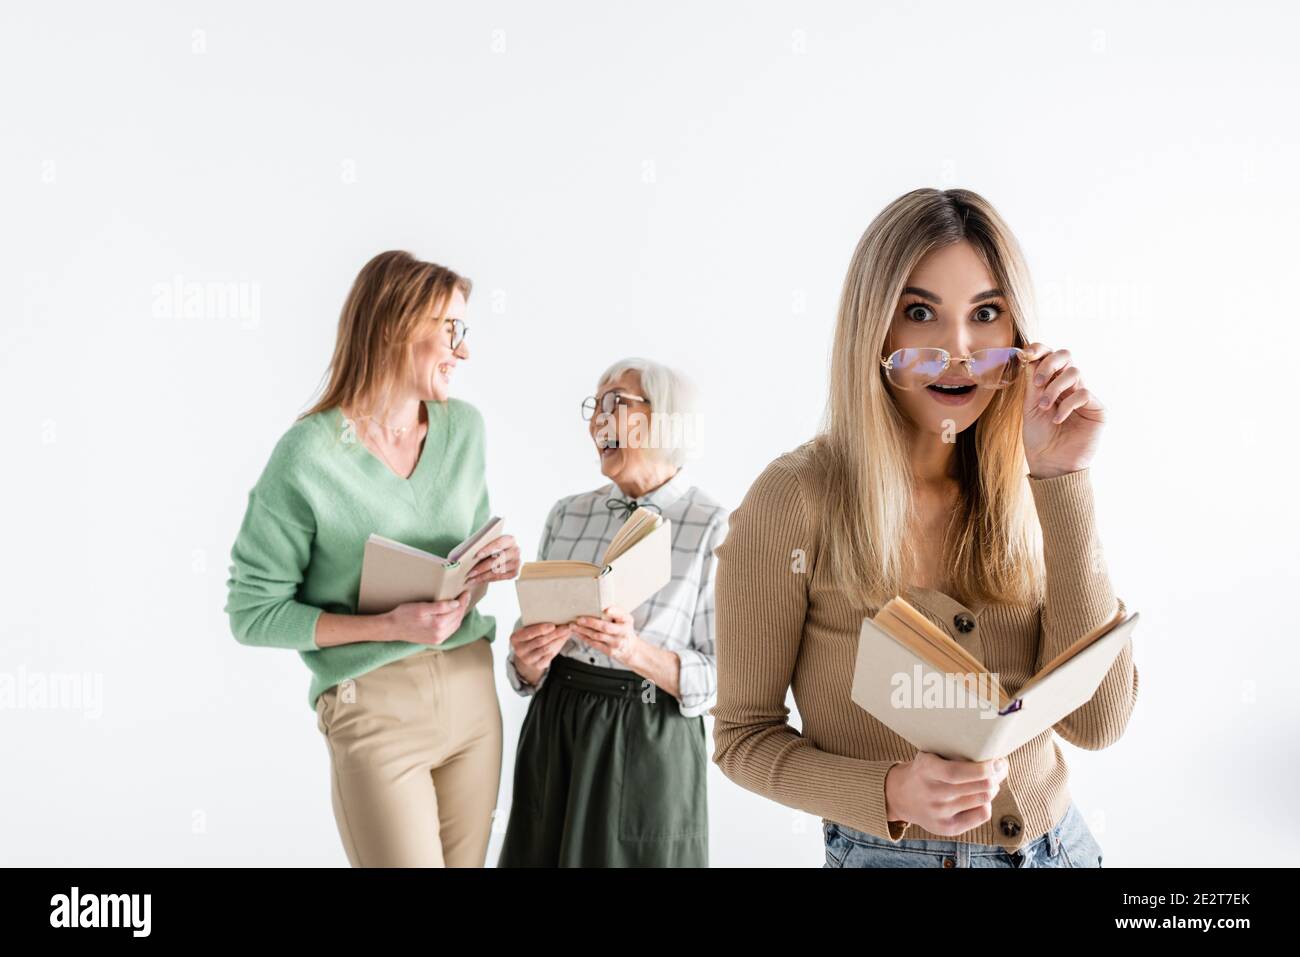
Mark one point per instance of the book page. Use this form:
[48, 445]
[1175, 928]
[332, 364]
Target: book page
[468, 549]
[640, 524]
[558, 568]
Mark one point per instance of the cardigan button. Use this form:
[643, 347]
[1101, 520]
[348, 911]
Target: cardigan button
[1010, 826]
[964, 623]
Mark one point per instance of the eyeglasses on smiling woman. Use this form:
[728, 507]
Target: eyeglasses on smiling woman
[456, 328]
[608, 402]
[919, 367]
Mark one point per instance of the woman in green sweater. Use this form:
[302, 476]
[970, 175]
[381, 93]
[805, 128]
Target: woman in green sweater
[406, 700]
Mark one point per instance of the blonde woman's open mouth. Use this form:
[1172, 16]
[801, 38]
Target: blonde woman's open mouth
[954, 392]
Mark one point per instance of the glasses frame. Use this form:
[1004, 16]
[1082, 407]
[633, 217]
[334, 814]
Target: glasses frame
[618, 395]
[966, 361]
[457, 325]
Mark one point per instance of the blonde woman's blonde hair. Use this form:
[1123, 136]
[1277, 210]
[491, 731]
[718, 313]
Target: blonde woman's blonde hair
[993, 551]
[395, 301]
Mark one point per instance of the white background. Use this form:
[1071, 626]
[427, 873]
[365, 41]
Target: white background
[683, 181]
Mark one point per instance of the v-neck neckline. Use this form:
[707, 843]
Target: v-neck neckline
[438, 436]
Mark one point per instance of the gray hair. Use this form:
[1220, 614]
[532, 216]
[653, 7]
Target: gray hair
[673, 411]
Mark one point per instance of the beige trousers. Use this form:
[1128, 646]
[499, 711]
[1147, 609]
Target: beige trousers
[415, 758]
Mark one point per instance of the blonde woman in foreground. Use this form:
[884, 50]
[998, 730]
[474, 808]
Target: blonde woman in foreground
[953, 469]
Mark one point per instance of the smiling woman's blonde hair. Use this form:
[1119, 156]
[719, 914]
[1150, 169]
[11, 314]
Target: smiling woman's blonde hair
[395, 301]
[994, 550]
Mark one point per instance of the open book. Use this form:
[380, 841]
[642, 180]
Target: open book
[921, 684]
[636, 564]
[393, 573]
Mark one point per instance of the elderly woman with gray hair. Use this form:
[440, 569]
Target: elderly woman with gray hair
[610, 770]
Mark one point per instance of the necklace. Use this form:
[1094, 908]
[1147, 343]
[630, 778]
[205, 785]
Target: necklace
[394, 429]
[396, 471]
[398, 429]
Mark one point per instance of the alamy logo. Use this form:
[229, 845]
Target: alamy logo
[54, 691]
[102, 910]
[933, 689]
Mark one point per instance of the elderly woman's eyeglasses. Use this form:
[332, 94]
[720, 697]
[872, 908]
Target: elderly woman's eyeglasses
[918, 368]
[457, 330]
[608, 402]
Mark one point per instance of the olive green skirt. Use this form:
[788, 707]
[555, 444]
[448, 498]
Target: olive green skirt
[608, 774]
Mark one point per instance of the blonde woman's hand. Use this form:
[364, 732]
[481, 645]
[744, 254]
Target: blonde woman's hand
[500, 562]
[427, 622]
[535, 646]
[1062, 419]
[942, 796]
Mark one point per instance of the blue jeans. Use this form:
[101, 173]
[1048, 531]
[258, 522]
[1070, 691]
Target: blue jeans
[1069, 843]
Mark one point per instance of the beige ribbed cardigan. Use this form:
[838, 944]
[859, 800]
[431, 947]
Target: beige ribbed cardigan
[778, 628]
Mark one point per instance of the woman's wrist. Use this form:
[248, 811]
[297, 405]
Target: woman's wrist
[527, 675]
[334, 629]
[660, 666]
[895, 784]
[1047, 472]
[381, 627]
[638, 660]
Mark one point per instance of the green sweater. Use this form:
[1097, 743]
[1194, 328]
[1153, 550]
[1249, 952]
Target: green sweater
[320, 496]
